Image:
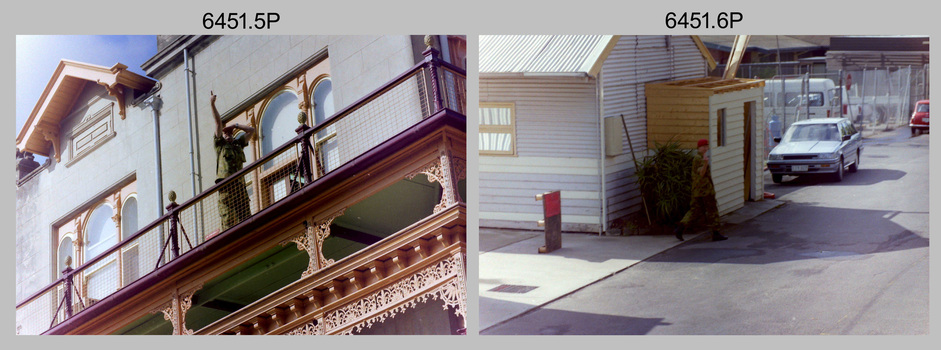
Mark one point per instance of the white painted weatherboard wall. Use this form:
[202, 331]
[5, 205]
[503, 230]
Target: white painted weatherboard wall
[557, 149]
[635, 61]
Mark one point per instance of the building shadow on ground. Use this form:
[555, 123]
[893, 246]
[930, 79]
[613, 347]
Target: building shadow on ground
[803, 232]
[562, 322]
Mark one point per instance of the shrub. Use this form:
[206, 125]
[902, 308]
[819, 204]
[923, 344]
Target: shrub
[664, 179]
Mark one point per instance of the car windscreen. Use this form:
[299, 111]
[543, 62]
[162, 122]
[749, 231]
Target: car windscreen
[812, 132]
[922, 108]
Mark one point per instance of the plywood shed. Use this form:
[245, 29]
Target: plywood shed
[727, 112]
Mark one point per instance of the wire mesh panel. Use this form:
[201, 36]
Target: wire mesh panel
[883, 97]
[454, 95]
[380, 118]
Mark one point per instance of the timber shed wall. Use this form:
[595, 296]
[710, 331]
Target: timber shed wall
[687, 110]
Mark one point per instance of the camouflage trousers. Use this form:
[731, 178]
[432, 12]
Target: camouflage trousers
[233, 203]
[702, 210]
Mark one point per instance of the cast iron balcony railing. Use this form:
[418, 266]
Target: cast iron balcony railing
[425, 89]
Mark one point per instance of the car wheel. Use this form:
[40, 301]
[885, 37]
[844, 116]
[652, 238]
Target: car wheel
[839, 172]
[855, 165]
[776, 178]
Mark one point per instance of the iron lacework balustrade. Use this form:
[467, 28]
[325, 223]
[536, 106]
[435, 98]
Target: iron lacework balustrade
[427, 88]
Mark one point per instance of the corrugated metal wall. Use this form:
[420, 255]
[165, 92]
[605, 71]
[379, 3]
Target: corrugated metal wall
[557, 149]
[635, 61]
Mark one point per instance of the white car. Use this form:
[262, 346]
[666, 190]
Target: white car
[816, 146]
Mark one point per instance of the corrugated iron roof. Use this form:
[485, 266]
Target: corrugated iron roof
[543, 53]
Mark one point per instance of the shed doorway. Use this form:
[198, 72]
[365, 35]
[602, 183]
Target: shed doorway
[749, 146]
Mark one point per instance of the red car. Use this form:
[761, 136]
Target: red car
[919, 121]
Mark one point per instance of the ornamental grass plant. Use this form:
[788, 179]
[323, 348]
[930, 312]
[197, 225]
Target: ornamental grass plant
[664, 179]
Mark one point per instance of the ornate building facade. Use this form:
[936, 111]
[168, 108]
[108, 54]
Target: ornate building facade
[355, 218]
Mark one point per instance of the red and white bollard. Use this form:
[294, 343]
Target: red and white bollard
[552, 222]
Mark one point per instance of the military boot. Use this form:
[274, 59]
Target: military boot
[718, 237]
[678, 232]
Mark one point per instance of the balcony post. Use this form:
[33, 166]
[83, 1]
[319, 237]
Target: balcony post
[431, 57]
[174, 219]
[303, 172]
[68, 286]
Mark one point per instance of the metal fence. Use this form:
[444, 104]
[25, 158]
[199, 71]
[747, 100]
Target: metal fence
[423, 90]
[884, 97]
[764, 70]
[875, 98]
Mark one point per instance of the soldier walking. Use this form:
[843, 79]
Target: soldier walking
[703, 198]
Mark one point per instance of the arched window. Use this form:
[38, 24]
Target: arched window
[323, 101]
[100, 232]
[130, 265]
[65, 251]
[129, 224]
[278, 121]
[326, 142]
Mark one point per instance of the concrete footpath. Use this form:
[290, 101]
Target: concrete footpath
[515, 278]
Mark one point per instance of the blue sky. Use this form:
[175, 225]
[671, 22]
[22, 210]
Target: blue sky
[38, 55]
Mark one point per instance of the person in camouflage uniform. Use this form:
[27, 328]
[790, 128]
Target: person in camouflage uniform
[233, 197]
[702, 206]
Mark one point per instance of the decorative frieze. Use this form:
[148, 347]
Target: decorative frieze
[402, 295]
[314, 327]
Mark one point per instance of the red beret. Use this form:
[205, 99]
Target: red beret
[702, 142]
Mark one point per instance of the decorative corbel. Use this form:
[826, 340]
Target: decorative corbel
[117, 210]
[117, 92]
[254, 123]
[78, 229]
[446, 170]
[53, 137]
[302, 86]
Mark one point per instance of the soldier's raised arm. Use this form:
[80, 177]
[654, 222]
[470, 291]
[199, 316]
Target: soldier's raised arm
[215, 113]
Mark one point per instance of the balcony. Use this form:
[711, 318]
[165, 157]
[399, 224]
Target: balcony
[370, 219]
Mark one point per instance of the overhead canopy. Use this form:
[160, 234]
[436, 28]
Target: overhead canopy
[57, 100]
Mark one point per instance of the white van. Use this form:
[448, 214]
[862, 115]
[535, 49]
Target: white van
[797, 98]
[790, 99]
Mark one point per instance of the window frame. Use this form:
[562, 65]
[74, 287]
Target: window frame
[502, 129]
[330, 132]
[266, 103]
[105, 262]
[75, 226]
[267, 177]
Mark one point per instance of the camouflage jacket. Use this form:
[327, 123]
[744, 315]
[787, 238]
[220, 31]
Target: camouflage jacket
[702, 185]
[229, 155]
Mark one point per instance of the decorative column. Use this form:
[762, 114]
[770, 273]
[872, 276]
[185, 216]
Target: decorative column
[431, 57]
[311, 240]
[175, 310]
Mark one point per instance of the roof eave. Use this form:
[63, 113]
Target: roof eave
[110, 78]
